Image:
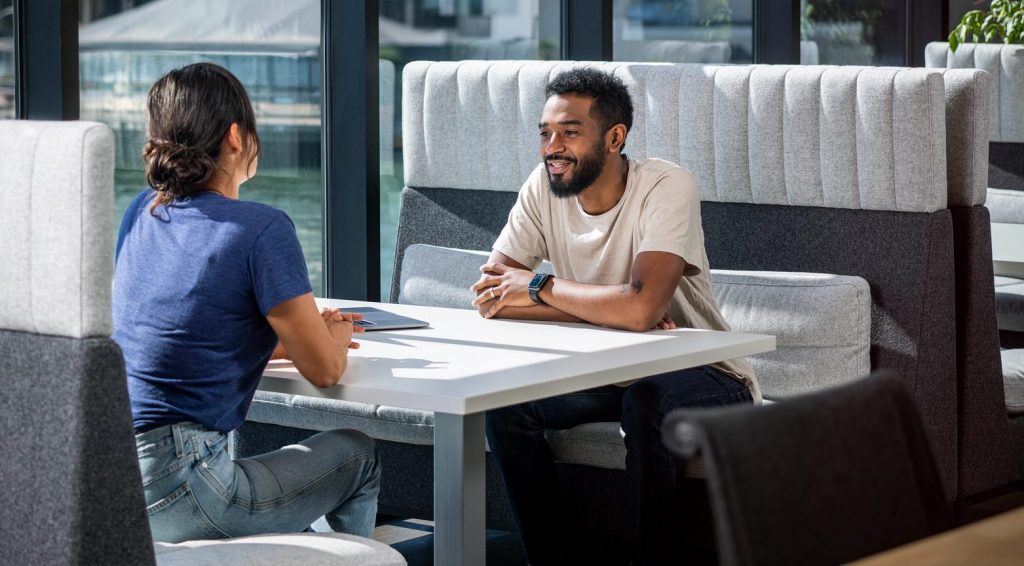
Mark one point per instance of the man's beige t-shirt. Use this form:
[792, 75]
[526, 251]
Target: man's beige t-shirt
[659, 212]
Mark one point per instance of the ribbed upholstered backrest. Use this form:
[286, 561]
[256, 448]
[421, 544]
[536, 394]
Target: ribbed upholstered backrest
[844, 137]
[1005, 64]
[836, 170]
[71, 487]
[56, 195]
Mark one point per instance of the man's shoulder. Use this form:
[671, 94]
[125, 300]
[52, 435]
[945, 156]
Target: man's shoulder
[657, 167]
[653, 172]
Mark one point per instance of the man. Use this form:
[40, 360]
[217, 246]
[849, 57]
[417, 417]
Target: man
[626, 243]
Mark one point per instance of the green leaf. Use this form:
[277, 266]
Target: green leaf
[954, 41]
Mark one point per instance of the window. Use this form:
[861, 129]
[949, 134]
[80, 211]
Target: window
[853, 32]
[274, 53]
[7, 59]
[683, 31]
[445, 30]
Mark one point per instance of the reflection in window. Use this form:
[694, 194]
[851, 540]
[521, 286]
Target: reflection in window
[445, 30]
[852, 32]
[275, 54]
[6, 59]
[683, 31]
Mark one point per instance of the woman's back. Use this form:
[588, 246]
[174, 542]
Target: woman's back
[193, 285]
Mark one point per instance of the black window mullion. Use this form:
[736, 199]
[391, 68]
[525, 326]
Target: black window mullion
[46, 32]
[350, 164]
[777, 31]
[587, 30]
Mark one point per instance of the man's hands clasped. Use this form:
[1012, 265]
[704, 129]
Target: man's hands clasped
[501, 286]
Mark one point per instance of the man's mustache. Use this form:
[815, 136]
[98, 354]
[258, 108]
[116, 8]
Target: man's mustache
[560, 158]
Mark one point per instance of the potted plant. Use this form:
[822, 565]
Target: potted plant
[1004, 19]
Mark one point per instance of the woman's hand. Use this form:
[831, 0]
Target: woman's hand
[341, 326]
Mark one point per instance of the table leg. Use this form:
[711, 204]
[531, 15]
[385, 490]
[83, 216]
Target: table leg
[459, 492]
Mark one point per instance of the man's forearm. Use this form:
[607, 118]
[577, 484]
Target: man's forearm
[537, 312]
[617, 306]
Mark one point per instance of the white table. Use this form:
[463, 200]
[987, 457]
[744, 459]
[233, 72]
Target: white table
[464, 365]
[1008, 249]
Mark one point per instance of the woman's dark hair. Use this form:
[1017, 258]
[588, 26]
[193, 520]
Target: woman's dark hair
[612, 104]
[189, 111]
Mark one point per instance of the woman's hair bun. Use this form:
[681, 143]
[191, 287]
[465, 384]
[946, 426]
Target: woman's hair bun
[177, 169]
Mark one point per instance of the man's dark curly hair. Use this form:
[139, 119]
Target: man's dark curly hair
[612, 104]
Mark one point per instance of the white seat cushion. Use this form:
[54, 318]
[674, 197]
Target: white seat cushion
[305, 549]
[1013, 380]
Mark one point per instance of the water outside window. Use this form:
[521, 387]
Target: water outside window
[853, 32]
[683, 31]
[126, 45]
[445, 30]
[6, 59]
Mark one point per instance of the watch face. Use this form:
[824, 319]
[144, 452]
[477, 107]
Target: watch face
[537, 281]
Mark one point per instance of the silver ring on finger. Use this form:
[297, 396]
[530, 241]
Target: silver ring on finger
[490, 291]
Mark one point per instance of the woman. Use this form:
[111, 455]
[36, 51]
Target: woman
[206, 289]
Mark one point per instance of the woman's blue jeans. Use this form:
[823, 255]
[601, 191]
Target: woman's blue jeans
[520, 448]
[194, 490]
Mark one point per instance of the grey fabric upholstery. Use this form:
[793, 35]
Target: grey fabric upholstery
[1005, 64]
[55, 203]
[756, 134]
[72, 490]
[1006, 206]
[967, 146]
[1013, 380]
[906, 258]
[1006, 165]
[1010, 303]
[833, 476]
[314, 413]
[470, 220]
[272, 550]
[989, 444]
[72, 493]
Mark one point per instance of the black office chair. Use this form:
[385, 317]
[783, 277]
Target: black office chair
[820, 479]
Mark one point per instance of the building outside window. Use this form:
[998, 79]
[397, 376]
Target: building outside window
[853, 32]
[125, 45]
[446, 30]
[683, 31]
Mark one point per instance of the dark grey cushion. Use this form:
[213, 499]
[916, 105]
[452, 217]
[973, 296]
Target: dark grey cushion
[72, 493]
[906, 258]
[820, 479]
[1010, 303]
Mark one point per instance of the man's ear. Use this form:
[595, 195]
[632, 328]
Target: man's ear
[616, 138]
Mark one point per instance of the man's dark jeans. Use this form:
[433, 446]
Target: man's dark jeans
[516, 436]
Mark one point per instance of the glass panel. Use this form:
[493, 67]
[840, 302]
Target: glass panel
[683, 31]
[957, 9]
[445, 30]
[274, 53]
[853, 32]
[6, 59]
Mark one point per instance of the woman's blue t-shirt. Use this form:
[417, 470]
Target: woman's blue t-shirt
[192, 288]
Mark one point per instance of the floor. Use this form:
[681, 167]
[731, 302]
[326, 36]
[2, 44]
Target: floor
[414, 539]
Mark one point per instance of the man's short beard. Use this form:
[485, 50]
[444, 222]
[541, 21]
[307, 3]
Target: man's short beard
[587, 168]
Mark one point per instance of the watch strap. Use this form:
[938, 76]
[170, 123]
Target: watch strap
[536, 284]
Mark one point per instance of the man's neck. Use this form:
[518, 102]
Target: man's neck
[607, 190]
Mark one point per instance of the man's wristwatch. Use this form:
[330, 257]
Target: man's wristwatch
[536, 284]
